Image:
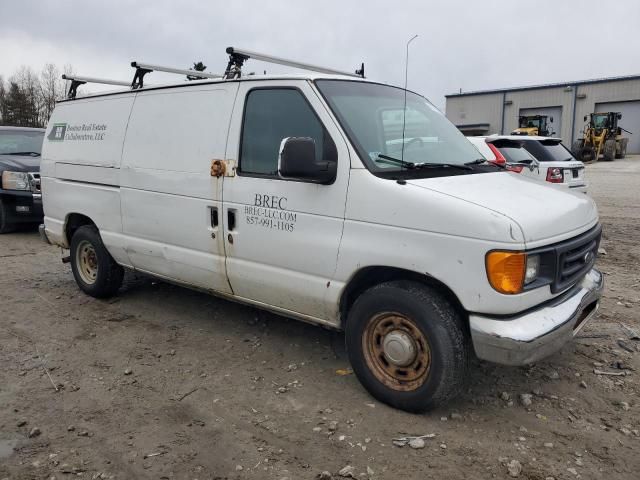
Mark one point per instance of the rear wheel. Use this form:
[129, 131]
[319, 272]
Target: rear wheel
[96, 272]
[623, 148]
[609, 150]
[407, 345]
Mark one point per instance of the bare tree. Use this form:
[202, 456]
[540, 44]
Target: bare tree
[51, 89]
[28, 99]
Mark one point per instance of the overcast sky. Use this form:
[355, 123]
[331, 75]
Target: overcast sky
[470, 45]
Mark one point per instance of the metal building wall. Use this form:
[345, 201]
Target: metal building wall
[620, 91]
[548, 97]
[487, 107]
[474, 109]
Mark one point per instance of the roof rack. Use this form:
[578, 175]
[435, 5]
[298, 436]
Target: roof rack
[76, 81]
[143, 68]
[237, 57]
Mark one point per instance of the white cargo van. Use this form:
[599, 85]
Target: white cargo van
[320, 198]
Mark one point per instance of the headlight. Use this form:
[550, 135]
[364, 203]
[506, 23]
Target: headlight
[15, 181]
[532, 269]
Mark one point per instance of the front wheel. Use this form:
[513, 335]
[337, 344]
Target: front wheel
[407, 345]
[96, 272]
[5, 225]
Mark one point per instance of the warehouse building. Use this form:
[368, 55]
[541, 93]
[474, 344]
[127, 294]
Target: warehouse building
[497, 111]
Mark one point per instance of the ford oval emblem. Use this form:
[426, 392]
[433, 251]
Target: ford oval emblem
[588, 257]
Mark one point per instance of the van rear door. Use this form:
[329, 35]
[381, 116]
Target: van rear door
[282, 235]
[171, 205]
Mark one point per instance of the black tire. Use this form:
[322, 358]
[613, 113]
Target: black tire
[588, 154]
[5, 226]
[106, 278]
[623, 148]
[576, 148]
[436, 320]
[609, 150]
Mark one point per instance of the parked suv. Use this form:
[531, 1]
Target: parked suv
[546, 159]
[20, 197]
[312, 197]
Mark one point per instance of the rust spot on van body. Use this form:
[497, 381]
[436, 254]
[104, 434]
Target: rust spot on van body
[218, 168]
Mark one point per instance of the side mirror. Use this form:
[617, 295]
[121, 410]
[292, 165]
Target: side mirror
[551, 119]
[298, 161]
[585, 118]
[619, 116]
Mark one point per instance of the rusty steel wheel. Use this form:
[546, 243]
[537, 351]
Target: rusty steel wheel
[407, 345]
[396, 351]
[95, 271]
[87, 262]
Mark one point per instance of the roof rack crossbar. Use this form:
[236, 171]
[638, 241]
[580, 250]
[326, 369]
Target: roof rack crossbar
[237, 57]
[76, 81]
[143, 68]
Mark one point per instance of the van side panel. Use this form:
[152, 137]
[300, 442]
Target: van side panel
[80, 167]
[88, 132]
[167, 189]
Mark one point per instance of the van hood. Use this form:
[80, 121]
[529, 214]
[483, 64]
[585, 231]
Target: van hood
[544, 214]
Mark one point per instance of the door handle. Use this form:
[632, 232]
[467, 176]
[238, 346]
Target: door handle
[231, 220]
[231, 224]
[213, 220]
[214, 216]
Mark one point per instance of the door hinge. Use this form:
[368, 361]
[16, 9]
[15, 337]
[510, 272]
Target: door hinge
[226, 168]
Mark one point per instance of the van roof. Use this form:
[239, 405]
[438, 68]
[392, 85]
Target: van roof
[245, 78]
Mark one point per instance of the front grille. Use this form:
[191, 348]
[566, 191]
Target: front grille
[575, 257]
[34, 182]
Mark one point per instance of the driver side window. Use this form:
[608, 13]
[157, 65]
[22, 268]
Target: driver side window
[270, 115]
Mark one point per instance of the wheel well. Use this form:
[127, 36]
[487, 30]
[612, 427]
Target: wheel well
[75, 221]
[371, 276]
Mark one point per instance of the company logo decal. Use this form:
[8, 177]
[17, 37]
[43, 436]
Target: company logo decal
[588, 257]
[57, 132]
[85, 132]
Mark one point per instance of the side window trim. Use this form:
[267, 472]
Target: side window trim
[244, 113]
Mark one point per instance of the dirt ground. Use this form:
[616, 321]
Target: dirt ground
[162, 382]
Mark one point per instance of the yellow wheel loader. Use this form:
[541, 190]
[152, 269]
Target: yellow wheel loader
[601, 136]
[534, 125]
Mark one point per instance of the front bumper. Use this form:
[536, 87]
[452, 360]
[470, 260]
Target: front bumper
[22, 206]
[537, 334]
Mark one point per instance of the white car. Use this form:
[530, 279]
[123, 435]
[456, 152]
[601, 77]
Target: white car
[555, 163]
[292, 193]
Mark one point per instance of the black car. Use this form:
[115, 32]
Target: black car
[20, 196]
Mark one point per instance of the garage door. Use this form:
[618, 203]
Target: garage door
[555, 112]
[630, 120]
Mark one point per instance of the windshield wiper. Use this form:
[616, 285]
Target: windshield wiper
[442, 165]
[481, 161]
[478, 161]
[397, 161]
[21, 153]
[412, 165]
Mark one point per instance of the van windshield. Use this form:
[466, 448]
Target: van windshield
[372, 116]
[21, 142]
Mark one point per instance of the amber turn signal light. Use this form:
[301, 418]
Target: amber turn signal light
[506, 271]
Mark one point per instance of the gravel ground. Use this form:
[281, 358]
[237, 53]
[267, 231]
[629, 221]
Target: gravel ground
[164, 382]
